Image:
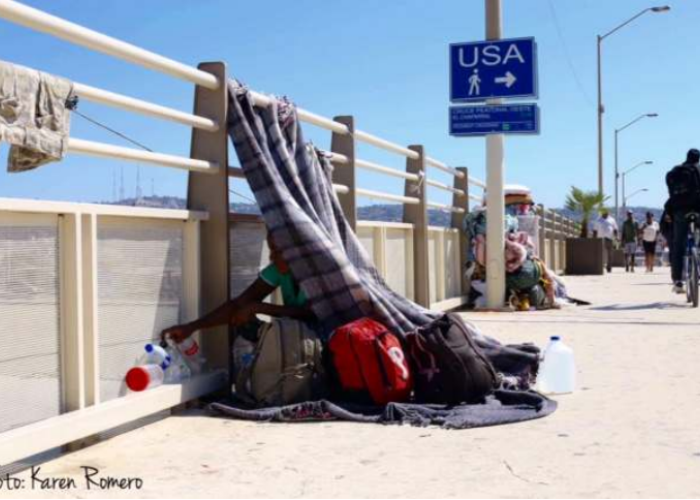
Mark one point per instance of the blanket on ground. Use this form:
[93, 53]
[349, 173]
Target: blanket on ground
[291, 182]
[502, 407]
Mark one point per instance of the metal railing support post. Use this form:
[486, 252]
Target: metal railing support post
[418, 216]
[344, 174]
[210, 192]
[461, 201]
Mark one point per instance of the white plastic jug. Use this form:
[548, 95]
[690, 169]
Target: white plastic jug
[557, 374]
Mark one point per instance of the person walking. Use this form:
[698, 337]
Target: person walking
[606, 228]
[650, 236]
[683, 182]
[630, 235]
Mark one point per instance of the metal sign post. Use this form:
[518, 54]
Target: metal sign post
[495, 203]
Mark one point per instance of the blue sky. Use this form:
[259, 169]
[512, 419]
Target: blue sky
[387, 64]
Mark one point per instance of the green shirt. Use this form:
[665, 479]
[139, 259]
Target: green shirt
[630, 231]
[292, 295]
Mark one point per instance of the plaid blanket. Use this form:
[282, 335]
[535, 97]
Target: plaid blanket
[292, 184]
[291, 181]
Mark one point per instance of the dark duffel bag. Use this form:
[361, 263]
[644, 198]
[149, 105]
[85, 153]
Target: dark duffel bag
[449, 368]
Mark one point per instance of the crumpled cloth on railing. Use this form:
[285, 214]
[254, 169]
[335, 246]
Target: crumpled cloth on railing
[34, 116]
[292, 184]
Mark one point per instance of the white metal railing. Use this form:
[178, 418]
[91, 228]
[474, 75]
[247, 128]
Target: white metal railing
[101, 150]
[144, 107]
[81, 227]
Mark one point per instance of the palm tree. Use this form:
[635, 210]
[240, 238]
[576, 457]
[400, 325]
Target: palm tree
[585, 203]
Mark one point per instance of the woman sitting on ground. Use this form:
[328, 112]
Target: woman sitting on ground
[241, 312]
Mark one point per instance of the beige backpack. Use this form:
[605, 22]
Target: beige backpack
[286, 368]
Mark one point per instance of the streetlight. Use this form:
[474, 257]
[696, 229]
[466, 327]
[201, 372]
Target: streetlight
[601, 109]
[617, 174]
[648, 162]
[643, 190]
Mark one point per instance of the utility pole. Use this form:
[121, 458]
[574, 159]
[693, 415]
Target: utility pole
[495, 203]
[601, 110]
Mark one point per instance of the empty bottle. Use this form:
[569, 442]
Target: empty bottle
[557, 374]
[178, 371]
[144, 377]
[156, 355]
[193, 355]
[242, 354]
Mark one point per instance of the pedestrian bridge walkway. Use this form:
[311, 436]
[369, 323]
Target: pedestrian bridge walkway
[629, 430]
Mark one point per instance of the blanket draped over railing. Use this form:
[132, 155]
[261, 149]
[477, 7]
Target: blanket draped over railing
[292, 184]
[291, 181]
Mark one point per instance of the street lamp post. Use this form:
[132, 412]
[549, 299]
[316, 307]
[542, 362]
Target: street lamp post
[601, 108]
[643, 190]
[617, 174]
[624, 200]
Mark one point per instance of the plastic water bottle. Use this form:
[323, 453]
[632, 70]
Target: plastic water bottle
[178, 371]
[156, 355]
[144, 377]
[193, 355]
[242, 354]
[558, 370]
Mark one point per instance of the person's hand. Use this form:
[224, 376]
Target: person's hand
[177, 333]
[242, 315]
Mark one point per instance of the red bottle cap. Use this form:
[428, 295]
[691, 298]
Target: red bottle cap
[137, 379]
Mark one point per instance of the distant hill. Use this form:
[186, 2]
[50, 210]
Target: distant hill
[386, 213]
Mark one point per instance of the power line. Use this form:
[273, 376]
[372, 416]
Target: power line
[109, 129]
[242, 196]
[565, 49]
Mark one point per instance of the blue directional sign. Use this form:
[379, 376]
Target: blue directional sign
[493, 69]
[494, 119]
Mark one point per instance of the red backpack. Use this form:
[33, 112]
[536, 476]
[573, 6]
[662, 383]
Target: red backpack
[370, 359]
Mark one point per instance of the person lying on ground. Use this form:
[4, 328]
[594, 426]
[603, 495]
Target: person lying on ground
[242, 310]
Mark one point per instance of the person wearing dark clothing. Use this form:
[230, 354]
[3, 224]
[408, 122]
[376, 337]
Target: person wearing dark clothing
[682, 200]
[630, 235]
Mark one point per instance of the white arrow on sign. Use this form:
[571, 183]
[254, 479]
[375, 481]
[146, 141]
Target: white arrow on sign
[509, 79]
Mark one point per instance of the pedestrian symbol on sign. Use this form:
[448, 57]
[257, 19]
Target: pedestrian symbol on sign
[475, 83]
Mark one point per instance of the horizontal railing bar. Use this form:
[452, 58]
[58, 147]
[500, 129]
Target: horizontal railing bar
[477, 182]
[67, 207]
[441, 166]
[79, 35]
[386, 196]
[341, 189]
[144, 107]
[385, 170]
[236, 172]
[386, 224]
[444, 187]
[476, 198]
[384, 144]
[102, 150]
[448, 208]
[306, 116]
[337, 158]
[339, 128]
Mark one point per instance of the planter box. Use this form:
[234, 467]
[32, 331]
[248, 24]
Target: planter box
[584, 256]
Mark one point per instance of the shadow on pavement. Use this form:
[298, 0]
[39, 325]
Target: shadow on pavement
[640, 307]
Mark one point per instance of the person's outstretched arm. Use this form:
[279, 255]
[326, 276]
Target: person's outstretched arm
[236, 311]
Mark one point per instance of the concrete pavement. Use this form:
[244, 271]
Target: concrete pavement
[631, 429]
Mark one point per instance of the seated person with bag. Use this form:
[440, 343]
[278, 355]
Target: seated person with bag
[241, 312]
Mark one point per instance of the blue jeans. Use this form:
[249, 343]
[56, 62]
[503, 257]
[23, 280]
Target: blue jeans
[678, 246]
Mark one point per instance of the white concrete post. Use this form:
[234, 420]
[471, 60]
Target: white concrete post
[495, 204]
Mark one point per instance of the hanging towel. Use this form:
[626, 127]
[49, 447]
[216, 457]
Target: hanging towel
[291, 182]
[34, 116]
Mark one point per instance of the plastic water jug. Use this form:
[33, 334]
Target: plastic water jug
[144, 377]
[557, 373]
[156, 355]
